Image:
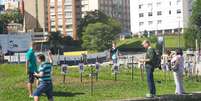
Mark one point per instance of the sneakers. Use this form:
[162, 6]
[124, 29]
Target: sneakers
[150, 95]
[30, 96]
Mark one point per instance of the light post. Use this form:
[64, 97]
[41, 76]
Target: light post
[179, 32]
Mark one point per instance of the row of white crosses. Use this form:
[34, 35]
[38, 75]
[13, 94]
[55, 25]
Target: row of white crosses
[64, 69]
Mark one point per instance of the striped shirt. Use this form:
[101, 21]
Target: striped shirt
[46, 68]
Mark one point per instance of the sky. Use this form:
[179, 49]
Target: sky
[1, 1]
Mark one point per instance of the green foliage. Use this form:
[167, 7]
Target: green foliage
[153, 38]
[59, 43]
[55, 42]
[91, 17]
[13, 15]
[97, 31]
[190, 36]
[98, 36]
[193, 33]
[196, 14]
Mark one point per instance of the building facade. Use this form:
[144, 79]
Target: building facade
[63, 16]
[35, 14]
[11, 4]
[118, 9]
[159, 16]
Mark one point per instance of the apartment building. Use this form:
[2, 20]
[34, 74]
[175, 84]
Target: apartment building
[64, 15]
[10, 4]
[159, 16]
[118, 9]
[35, 14]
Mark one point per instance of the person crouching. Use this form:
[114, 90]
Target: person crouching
[44, 76]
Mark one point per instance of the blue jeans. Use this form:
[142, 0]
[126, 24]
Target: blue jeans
[114, 61]
[150, 79]
[44, 87]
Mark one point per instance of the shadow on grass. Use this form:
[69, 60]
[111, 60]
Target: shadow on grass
[67, 94]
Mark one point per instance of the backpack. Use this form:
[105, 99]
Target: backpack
[157, 59]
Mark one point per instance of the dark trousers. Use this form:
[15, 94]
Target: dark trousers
[150, 79]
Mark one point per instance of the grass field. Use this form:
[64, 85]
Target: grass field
[170, 42]
[13, 85]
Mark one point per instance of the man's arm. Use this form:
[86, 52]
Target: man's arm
[50, 57]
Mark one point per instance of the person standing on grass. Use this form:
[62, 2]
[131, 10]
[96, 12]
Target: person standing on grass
[45, 78]
[31, 67]
[178, 61]
[114, 53]
[149, 66]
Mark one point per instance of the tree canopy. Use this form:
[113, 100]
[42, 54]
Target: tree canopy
[98, 30]
[10, 16]
[193, 32]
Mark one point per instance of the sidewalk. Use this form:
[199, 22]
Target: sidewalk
[187, 97]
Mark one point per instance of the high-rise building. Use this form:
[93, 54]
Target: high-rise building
[159, 16]
[11, 4]
[63, 16]
[35, 14]
[119, 9]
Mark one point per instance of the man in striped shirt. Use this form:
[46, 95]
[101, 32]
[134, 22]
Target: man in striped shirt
[45, 78]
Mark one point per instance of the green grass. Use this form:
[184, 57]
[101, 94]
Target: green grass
[13, 85]
[173, 41]
[135, 43]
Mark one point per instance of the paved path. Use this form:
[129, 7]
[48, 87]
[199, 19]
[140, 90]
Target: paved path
[187, 97]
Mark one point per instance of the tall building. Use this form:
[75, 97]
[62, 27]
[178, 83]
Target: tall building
[11, 4]
[63, 16]
[159, 16]
[35, 14]
[119, 9]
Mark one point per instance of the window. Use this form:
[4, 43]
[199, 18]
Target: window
[159, 13]
[159, 21]
[178, 2]
[150, 14]
[149, 5]
[158, 4]
[178, 11]
[170, 3]
[140, 6]
[141, 15]
[141, 23]
[170, 12]
[150, 23]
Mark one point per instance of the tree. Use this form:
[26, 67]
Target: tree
[96, 16]
[194, 31]
[196, 14]
[190, 36]
[97, 30]
[10, 16]
[98, 36]
[55, 42]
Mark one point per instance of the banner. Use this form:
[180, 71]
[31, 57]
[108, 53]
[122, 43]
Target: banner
[15, 42]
